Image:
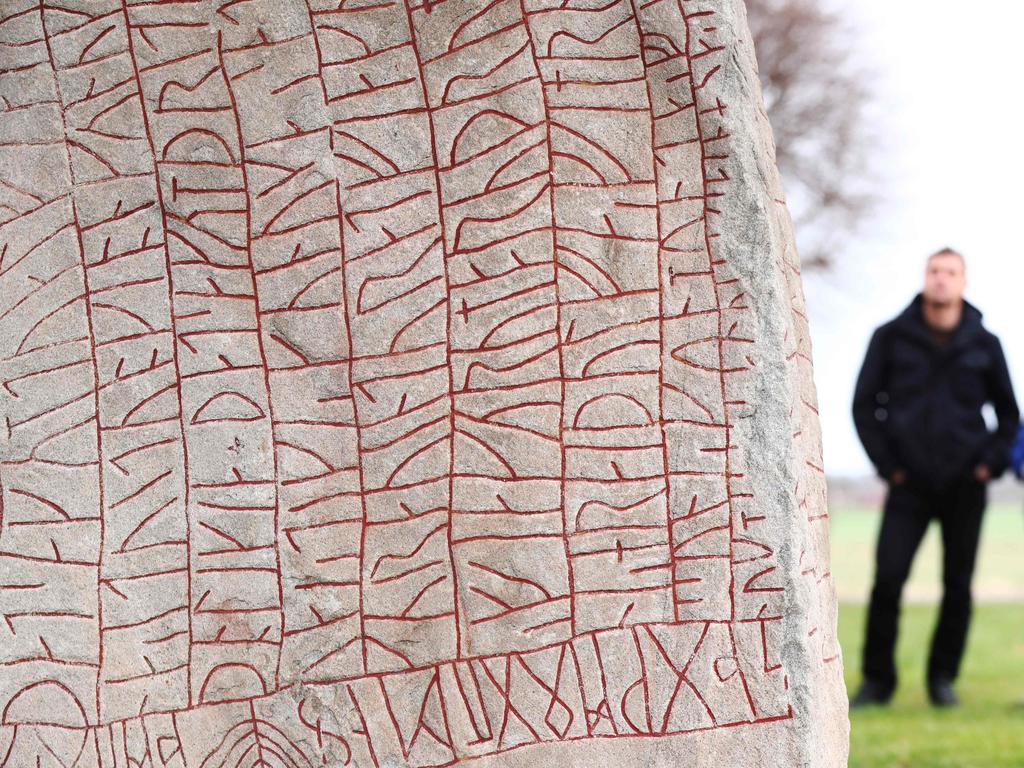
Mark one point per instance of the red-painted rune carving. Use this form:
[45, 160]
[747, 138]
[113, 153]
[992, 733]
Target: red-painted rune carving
[373, 379]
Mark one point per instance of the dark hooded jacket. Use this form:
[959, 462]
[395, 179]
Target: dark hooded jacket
[918, 402]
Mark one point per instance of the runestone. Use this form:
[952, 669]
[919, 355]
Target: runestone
[403, 383]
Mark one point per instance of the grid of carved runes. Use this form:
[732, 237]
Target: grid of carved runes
[366, 342]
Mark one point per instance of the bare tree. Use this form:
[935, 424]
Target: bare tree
[816, 97]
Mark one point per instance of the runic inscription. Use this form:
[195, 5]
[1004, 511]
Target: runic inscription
[398, 383]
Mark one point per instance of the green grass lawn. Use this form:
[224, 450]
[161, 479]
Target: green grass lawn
[1000, 569]
[988, 730]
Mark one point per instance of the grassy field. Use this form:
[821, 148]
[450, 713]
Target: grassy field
[988, 730]
[1000, 569]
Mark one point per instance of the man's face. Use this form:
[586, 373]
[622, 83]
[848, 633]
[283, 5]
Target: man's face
[944, 279]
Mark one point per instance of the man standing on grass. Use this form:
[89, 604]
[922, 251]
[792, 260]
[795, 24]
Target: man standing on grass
[918, 411]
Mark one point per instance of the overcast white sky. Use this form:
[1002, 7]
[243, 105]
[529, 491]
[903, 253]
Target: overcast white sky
[949, 81]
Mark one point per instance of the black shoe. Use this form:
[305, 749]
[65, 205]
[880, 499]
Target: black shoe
[872, 692]
[941, 693]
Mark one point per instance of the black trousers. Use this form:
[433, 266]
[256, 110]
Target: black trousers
[908, 511]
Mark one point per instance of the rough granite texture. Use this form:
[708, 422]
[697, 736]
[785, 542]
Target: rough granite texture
[411, 384]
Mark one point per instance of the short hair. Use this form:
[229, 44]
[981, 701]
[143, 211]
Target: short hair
[947, 251]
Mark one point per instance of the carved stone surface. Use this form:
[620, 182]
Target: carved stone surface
[398, 383]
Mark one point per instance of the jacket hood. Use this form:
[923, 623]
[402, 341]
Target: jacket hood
[911, 320]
